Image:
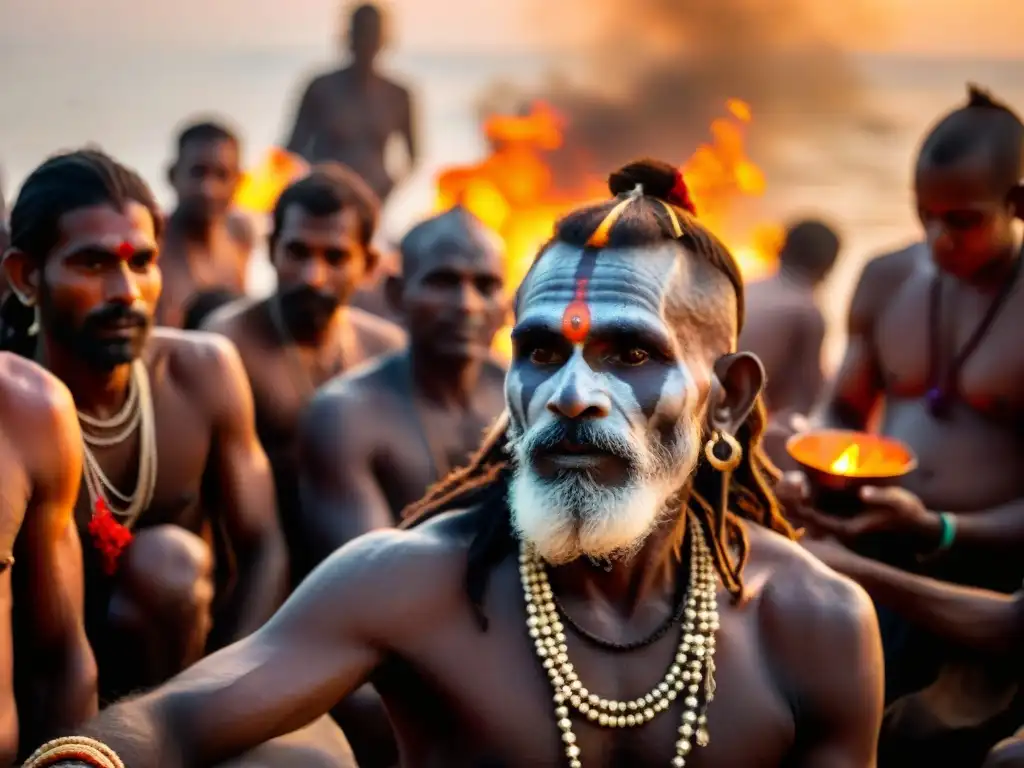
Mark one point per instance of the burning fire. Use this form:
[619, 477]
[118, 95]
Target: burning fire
[514, 192]
[261, 185]
[847, 462]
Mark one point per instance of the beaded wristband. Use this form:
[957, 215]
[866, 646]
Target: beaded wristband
[74, 748]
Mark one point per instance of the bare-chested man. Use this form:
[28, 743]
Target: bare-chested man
[595, 602]
[785, 327]
[373, 442]
[934, 339]
[170, 448]
[349, 115]
[40, 470]
[206, 246]
[305, 333]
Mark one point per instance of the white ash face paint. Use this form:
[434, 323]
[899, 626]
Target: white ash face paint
[647, 414]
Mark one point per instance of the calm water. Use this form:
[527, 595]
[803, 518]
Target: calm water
[129, 102]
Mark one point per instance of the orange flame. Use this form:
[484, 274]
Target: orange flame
[513, 190]
[261, 185]
[847, 462]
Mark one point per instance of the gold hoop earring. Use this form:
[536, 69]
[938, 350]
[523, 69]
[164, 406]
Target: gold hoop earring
[722, 442]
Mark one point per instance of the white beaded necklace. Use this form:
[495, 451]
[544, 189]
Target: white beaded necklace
[136, 414]
[691, 673]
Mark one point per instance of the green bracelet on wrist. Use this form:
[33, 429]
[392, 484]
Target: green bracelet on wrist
[947, 521]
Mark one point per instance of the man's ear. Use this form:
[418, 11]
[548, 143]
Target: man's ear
[22, 276]
[394, 292]
[372, 262]
[171, 173]
[738, 380]
[1016, 200]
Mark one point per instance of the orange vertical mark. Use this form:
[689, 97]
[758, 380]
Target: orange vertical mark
[576, 318]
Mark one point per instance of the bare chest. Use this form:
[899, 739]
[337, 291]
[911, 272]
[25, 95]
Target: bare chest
[490, 701]
[183, 448]
[356, 116]
[917, 355]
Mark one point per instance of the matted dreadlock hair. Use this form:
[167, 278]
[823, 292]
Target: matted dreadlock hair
[651, 205]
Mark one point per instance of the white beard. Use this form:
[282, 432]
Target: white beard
[574, 516]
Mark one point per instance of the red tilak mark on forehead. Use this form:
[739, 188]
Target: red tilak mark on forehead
[125, 250]
[576, 318]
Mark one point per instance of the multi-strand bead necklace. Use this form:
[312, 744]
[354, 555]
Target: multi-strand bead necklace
[691, 674]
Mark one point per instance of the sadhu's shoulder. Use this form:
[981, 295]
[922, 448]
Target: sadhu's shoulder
[197, 358]
[37, 416]
[431, 554]
[803, 598]
[378, 335]
[30, 393]
[892, 267]
[379, 383]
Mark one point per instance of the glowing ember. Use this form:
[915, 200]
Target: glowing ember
[847, 462]
[262, 185]
[514, 192]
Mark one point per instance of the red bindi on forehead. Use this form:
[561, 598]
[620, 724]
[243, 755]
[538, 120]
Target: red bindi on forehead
[125, 250]
[576, 317]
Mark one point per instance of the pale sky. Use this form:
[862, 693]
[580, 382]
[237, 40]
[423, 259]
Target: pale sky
[944, 27]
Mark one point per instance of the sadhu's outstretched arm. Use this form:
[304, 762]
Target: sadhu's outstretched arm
[324, 643]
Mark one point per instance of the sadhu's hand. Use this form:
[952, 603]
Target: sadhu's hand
[886, 511]
[793, 492]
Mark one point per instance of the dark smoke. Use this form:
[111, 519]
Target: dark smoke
[657, 72]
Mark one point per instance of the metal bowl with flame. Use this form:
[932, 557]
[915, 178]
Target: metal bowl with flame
[838, 463]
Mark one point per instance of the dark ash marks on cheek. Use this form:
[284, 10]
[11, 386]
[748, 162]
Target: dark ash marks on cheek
[648, 386]
[530, 380]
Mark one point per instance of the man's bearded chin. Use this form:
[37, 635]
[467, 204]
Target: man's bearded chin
[571, 514]
[94, 348]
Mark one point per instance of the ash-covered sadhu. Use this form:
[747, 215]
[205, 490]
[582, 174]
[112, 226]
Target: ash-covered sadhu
[669, 617]
[610, 321]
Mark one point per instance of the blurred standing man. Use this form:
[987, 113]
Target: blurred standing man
[206, 246]
[786, 329]
[349, 115]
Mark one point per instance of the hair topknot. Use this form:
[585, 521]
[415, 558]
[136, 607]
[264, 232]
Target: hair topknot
[982, 98]
[657, 179]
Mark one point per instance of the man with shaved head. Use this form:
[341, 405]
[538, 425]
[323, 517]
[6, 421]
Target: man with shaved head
[934, 342]
[373, 442]
[305, 333]
[608, 583]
